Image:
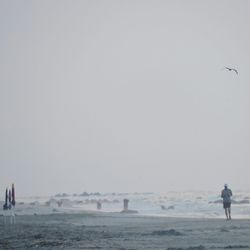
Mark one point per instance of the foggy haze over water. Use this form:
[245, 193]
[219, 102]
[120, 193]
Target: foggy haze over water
[124, 96]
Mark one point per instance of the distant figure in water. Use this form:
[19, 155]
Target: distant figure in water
[226, 194]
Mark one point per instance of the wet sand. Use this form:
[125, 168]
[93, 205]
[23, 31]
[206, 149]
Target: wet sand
[121, 231]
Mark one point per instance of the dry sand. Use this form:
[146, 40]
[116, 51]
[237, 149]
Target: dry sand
[120, 231]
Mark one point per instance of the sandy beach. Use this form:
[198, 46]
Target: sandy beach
[90, 230]
[124, 125]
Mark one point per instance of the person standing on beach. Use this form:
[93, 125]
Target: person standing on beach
[226, 194]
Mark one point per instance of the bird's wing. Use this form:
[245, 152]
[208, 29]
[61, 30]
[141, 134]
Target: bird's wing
[227, 68]
[235, 70]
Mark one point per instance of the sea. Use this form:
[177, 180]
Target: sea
[198, 204]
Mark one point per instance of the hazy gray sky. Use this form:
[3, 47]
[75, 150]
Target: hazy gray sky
[124, 95]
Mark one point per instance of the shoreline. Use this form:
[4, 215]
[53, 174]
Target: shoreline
[70, 211]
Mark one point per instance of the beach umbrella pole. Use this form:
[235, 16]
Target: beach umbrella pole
[4, 217]
[12, 216]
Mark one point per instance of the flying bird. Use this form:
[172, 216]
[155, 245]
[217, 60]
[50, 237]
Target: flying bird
[229, 69]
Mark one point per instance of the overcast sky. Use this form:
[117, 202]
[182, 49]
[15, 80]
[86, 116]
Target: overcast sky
[124, 95]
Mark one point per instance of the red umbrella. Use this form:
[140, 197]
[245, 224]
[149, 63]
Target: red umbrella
[13, 195]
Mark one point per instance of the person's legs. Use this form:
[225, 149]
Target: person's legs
[226, 213]
[229, 212]
[225, 207]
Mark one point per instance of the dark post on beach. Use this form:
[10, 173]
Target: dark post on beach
[125, 204]
[99, 205]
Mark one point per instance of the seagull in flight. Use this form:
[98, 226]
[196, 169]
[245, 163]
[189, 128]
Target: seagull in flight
[229, 69]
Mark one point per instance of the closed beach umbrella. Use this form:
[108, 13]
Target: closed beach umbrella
[10, 197]
[13, 195]
[6, 196]
[5, 206]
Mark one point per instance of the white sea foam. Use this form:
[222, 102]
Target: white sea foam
[169, 204]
